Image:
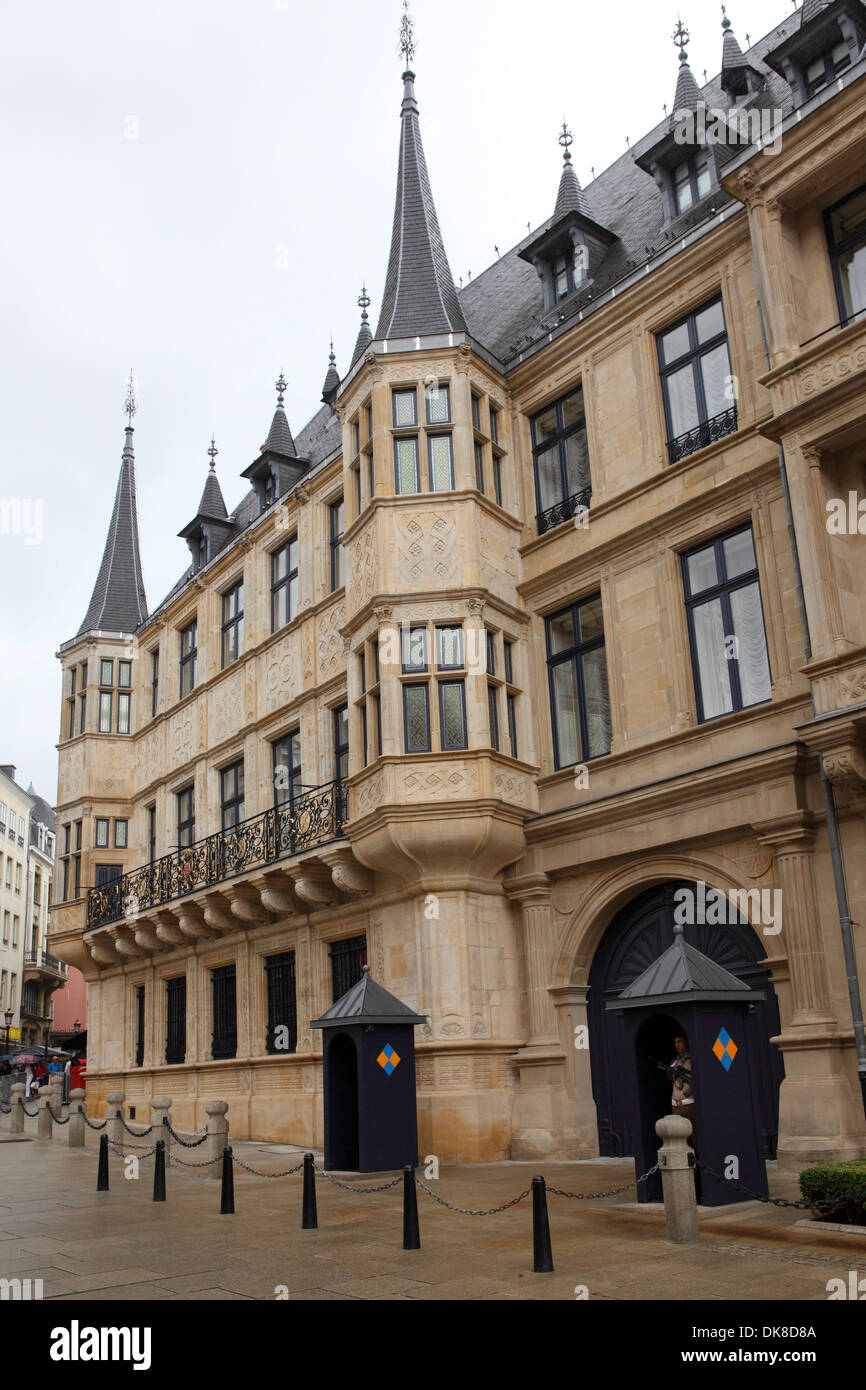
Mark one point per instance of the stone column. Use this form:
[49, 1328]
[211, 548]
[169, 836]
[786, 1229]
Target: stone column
[678, 1181]
[44, 1124]
[160, 1107]
[76, 1120]
[534, 900]
[570, 1004]
[792, 841]
[114, 1114]
[16, 1118]
[217, 1134]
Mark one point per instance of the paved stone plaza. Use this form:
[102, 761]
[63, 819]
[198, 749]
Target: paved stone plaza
[86, 1245]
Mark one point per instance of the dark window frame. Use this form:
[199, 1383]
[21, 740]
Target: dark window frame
[417, 685]
[464, 743]
[224, 1003]
[294, 770]
[338, 577]
[278, 584]
[574, 654]
[175, 1020]
[554, 442]
[695, 352]
[235, 800]
[341, 747]
[154, 681]
[232, 622]
[837, 248]
[185, 822]
[281, 993]
[431, 436]
[188, 659]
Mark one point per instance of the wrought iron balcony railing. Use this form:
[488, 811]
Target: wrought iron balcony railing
[45, 961]
[563, 511]
[315, 818]
[702, 435]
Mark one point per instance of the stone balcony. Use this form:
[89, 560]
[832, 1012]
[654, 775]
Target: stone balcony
[42, 965]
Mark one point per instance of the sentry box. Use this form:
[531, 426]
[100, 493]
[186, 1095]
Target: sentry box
[368, 1045]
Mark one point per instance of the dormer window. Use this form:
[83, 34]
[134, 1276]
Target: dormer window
[692, 181]
[567, 272]
[268, 495]
[823, 70]
[202, 552]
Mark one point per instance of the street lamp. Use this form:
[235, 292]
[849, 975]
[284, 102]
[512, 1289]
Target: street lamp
[9, 1015]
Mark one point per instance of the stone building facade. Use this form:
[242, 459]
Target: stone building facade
[542, 617]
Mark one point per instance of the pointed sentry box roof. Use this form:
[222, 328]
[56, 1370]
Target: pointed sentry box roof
[420, 298]
[682, 974]
[118, 602]
[367, 1002]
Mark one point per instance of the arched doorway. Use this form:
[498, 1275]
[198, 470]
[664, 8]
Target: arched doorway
[637, 936]
[342, 1130]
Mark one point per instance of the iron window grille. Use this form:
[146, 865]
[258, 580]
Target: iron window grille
[284, 584]
[348, 958]
[697, 385]
[560, 461]
[727, 633]
[231, 796]
[845, 224]
[139, 1025]
[577, 675]
[188, 658]
[232, 630]
[337, 524]
[282, 1002]
[175, 1012]
[225, 1021]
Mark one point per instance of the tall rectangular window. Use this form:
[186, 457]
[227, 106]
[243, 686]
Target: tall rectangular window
[287, 769]
[121, 828]
[124, 674]
[232, 795]
[341, 743]
[101, 840]
[577, 670]
[188, 657]
[123, 700]
[726, 625]
[493, 715]
[845, 223]
[154, 681]
[416, 718]
[438, 399]
[151, 833]
[695, 369]
[232, 629]
[452, 715]
[224, 1042]
[692, 181]
[348, 958]
[405, 405]
[185, 817]
[284, 584]
[511, 708]
[407, 478]
[449, 648]
[82, 698]
[105, 711]
[106, 672]
[561, 461]
[139, 1026]
[414, 643]
[337, 514]
[441, 462]
[282, 1031]
[175, 1020]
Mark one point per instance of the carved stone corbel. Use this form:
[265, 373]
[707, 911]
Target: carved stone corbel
[277, 896]
[313, 884]
[147, 938]
[246, 904]
[189, 915]
[347, 874]
[217, 915]
[168, 930]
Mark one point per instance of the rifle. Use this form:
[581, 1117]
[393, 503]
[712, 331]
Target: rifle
[671, 1069]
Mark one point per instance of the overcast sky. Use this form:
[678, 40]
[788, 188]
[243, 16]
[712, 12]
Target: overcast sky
[197, 190]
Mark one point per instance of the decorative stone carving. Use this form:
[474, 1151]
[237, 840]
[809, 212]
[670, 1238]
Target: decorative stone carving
[281, 677]
[313, 885]
[853, 686]
[421, 784]
[426, 549]
[246, 905]
[846, 767]
[364, 566]
[830, 370]
[511, 786]
[189, 915]
[347, 874]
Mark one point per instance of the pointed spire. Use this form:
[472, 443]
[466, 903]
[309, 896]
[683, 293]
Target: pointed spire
[811, 8]
[570, 198]
[420, 297]
[688, 93]
[332, 379]
[212, 503]
[279, 440]
[365, 337]
[732, 55]
[118, 602]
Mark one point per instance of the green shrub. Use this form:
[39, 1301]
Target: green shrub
[837, 1180]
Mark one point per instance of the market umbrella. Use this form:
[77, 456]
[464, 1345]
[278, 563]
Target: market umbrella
[24, 1059]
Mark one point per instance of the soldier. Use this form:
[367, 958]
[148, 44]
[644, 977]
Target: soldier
[680, 1075]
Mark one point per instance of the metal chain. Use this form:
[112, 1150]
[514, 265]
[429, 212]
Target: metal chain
[187, 1144]
[121, 1149]
[5, 1108]
[207, 1164]
[139, 1133]
[819, 1204]
[55, 1119]
[362, 1190]
[259, 1174]
[93, 1123]
[31, 1113]
[611, 1191]
[465, 1211]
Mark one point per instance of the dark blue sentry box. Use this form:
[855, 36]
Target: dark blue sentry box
[368, 1045]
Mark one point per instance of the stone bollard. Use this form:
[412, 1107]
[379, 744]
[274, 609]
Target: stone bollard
[16, 1118]
[217, 1134]
[55, 1094]
[678, 1180]
[44, 1123]
[76, 1119]
[114, 1114]
[160, 1107]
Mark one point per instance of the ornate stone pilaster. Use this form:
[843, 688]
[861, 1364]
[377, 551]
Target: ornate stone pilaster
[792, 841]
[533, 896]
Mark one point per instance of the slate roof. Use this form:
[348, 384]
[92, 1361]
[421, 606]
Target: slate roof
[364, 339]
[420, 297]
[681, 973]
[279, 440]
[212, 503]
[332, 379]
[40, 812]
[368, 1001]
[570, 197]
[118, 602]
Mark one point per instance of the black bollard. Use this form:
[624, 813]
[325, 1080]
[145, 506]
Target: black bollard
[309, 1219]
[411, 1234]
[227, 1190]
[542, 1255]
[102, 1172]
[159, 1172]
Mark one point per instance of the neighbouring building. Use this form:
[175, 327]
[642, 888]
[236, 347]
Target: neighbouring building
[44, 973]
[547, 625]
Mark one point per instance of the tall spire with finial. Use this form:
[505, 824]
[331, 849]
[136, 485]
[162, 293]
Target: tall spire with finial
[570, 198]
[688, 93]
[118, 602]
[332, 379]
[212, 503]
[420, 297]
[365, 337]
[736, 68]
[279, 440]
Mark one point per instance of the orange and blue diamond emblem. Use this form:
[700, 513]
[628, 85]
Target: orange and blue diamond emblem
[388, 1059]
[725, 1048]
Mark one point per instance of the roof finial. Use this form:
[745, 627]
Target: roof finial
[407, 35]
[130, 405]
[681, 37]
[726, 23]
[566, 140]
[364, 302]
[281, 385]
[331, 357]
[213, 451]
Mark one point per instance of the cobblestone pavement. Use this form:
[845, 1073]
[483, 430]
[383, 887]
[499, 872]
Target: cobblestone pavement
[118, 1245]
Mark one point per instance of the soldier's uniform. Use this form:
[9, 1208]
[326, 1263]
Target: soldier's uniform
[683, 1094]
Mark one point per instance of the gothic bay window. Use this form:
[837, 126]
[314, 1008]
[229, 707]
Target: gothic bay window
[341, 742]
[188, 658]
[287, 770]
[123, 700]
[284, 584]
[224, 1042]
[579, 697]
[416, 718]
[438, 400]
[282, 1032]
[692, 180]
[726, 625]
[845, 223]
[105, 711]
[185, 817]
[231, 796]
[337, 516]
[442, 713]
[561, 461]
[695, 369]
[175, 1019]
[441, 462]
[232, 630]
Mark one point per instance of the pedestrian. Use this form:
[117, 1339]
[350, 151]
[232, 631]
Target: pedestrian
[28, 1080]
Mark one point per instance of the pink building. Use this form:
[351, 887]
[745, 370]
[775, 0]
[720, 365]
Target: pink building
[70, 1005]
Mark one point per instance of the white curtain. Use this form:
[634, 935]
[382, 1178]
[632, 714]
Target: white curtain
[753, 665]
[712, 659]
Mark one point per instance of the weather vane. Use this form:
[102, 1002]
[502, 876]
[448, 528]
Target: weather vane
[130, 405]
[212, 452]
[566, 140]
[407, 34]
[681, 37]
[281, 385]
